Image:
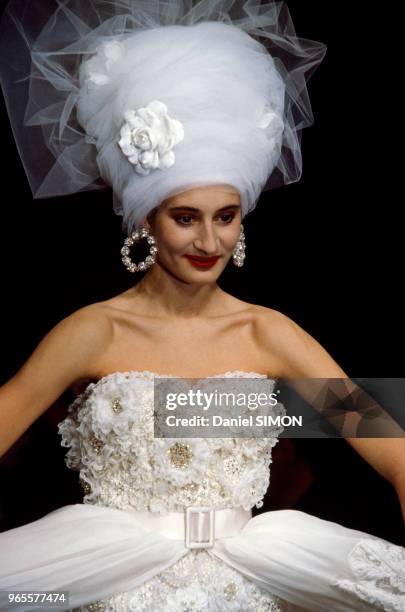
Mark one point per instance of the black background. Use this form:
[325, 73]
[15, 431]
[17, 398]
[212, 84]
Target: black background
[325, 251]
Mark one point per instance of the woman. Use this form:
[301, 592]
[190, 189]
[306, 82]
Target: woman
[128, 539]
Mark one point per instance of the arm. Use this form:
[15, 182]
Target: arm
[62, 357]
[300, 356]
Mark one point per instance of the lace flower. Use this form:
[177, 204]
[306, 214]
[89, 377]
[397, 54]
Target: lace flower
[192, 598]
[181, 461]
[67, 429]
[148, 136]
[120, 410]
[378, 574]
[231, 592]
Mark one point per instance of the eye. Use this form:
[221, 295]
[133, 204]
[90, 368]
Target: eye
[227, 217]
[183, 219]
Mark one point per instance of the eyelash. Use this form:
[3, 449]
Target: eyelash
[231, 215]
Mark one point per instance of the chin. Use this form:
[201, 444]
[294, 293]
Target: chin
[201, 277]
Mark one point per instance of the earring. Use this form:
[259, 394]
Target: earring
[136, 236]
[238, 253]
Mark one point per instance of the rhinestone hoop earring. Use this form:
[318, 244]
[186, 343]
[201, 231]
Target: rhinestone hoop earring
[238, 253]
[129, 241]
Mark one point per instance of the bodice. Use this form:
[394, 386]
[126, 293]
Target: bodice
[109, 430]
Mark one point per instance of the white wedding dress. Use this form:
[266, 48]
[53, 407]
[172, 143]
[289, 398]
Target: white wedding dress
[283, 560]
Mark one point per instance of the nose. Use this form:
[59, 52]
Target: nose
[206, 240]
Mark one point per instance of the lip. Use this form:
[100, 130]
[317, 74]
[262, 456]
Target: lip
[202, 262]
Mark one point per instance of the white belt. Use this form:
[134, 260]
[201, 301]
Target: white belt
[199, 526]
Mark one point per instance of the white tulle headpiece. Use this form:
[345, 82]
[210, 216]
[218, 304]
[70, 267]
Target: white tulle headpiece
[156, 97]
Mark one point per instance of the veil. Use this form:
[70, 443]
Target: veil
[43, 44]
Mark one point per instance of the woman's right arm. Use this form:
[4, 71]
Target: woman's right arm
[69, 352]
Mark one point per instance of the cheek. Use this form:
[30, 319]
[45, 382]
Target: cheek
[173, 241]
[230, 239]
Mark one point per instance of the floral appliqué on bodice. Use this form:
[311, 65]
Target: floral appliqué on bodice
[110, 432]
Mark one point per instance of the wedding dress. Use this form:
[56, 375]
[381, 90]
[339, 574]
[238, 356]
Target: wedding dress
[109, 559]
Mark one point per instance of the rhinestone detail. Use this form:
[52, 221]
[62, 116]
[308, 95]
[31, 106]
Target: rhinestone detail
[116, 405]
[96, 444]
[230, 591]
[180, 455]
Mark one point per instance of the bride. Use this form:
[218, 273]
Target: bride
[184, 172]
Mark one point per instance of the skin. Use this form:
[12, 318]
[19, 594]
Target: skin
[178, 315]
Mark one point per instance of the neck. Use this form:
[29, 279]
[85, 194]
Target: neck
[167, 296]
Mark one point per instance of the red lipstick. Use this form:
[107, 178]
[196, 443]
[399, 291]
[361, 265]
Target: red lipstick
[202, 262]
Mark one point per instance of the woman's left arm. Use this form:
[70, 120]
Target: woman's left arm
[300, 356]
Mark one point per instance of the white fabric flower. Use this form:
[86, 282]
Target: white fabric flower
[272, 123]
[148, 136]
[95, 71]
[252, 484]
[182, 460]
[119, 410]
[231, 592]
[192, 599]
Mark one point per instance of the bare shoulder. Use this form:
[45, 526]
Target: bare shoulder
[300, 354]
[234, 305]
[277, 328]
[90, 324]
[66, 354]
[90, 331]
[71, 348]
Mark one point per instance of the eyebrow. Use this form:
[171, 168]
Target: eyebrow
[190, 208]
